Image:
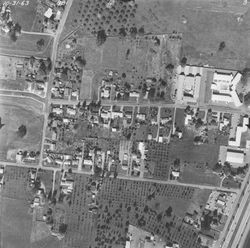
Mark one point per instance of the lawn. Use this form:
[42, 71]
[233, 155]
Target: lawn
[15, 112]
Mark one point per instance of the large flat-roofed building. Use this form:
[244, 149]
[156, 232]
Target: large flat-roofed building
[235, 157]
[239, 130]
[224, 87]
[189, 81]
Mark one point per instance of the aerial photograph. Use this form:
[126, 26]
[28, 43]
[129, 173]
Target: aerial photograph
[124, 123]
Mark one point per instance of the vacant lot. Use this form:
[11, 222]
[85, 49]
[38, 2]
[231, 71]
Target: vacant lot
[26, 45]
[15, 112]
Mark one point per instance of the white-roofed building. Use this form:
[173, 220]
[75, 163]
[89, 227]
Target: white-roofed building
[224, 87]
[235, 157]
[48, 13]
[189, 80]
[239, 131]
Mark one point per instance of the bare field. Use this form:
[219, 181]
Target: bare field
[14, 113]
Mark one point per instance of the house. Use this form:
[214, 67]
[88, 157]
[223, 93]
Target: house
[57, 110]
[116, 114]
[48, 13]
[134, 94]
[105, 93]
[71, 111]
[88, 162]
[141, 117]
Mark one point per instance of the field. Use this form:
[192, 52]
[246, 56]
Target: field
[18, 13]
[26, 45]
[15, 220]
[15, 223]
[80, 231]
[157, 161]
[46, 178]
[15, 112]
[198, 160]
[86, 85]
[197, 20]
[90, 16]
[156, 208]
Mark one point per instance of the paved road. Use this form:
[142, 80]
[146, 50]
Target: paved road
[125, 177]
[236, 214]
[37, 33]
[51, 76]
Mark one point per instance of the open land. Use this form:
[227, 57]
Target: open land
[25, 15]
[26, 45]
[14, 113]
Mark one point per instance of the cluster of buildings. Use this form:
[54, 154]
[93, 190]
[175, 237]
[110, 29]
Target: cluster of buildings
[27, 156]
[66, 84]
[235, 153]
[137, 237]
[223, 89]
[6, 21]
[52, 11]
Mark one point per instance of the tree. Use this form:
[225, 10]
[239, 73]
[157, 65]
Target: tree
[22, 130]
[198, 123]
[183, 61]
[80, 62]
[151, 93]
[40, 44]
[141, 31]
[101, 37]
[133, 32]
[122, 33]
[170, 68]
[63, 228]
[222, 46]
[169, 211]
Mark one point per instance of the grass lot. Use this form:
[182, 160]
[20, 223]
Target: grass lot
[26, 45]
[14, 113]
[190, 175]
[15, 223]
[13, 84]
[86, 85]
[46, 177]
[179, 118]
[18, 13]
[196, 157]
